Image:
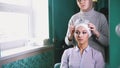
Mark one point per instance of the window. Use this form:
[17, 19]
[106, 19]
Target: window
[23, 22]
[13, 26]
[40, 9]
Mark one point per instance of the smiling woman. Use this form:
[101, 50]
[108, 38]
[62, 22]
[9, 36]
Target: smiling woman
[23, 23]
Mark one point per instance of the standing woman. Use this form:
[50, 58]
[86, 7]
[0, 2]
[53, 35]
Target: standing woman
[97, 23]
[82, 55]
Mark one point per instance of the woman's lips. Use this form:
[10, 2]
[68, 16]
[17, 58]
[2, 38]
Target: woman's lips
[80, 39]
[82, 5]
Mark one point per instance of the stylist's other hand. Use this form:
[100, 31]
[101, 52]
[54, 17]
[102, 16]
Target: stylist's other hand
[71, 31]
[94, 30]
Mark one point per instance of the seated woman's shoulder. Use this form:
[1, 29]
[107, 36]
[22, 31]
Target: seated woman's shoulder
[95, 52]
[70, 49]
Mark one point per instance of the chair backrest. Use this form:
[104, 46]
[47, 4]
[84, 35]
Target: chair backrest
[57, 65]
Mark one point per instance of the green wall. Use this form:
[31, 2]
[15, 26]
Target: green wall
[60, 13]
[114, 39]
[102, 4]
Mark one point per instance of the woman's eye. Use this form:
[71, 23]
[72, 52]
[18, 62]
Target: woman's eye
[77, 32]
[84, 32]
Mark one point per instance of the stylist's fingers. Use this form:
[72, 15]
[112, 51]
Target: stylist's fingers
[72, 29]
[91, 26]
[93, 29]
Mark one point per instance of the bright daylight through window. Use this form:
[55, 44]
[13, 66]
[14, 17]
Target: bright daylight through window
[23, 22]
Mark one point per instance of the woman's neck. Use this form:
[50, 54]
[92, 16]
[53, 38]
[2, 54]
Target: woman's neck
[82, 47]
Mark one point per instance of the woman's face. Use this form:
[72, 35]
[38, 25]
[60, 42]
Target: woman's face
[81, 35]
[85, 5]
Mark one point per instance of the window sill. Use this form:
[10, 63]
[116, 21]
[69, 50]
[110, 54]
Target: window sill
[21, 53]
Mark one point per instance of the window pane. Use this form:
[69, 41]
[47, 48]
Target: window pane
[40, 8]
[13, 26]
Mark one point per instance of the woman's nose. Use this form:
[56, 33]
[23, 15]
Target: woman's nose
[80, 35]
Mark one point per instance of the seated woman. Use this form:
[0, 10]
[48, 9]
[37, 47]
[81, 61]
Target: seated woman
[82, 55]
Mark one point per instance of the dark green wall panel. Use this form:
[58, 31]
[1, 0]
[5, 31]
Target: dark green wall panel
[60, 13]
[44, 60]
[102, 4]
[114, 39]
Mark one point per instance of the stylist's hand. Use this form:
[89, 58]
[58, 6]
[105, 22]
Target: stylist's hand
[94, 30]
[71, 31]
